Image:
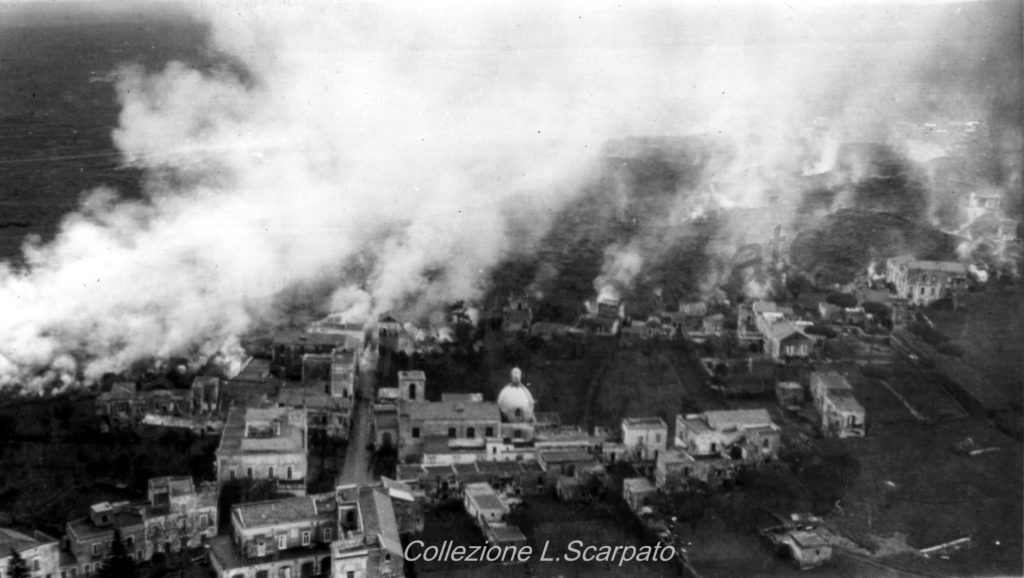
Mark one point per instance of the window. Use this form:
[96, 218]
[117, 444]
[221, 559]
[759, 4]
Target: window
[350, 574]
[204, 521]
[95, 549]
[657, 438]
[519, 412]
[270, 472]
[471, 432]
[261, 549]
[232, 473]
[765, 443]
[327, 535]
[412, 392]
[284, 572]
[282, 542]
[415, 433]
[288, 472]
[248, 473]
[88, 568]
[517, 434]
[489, 432]
[451, 432]
[35, 564]
[129, 542]
[305, 538]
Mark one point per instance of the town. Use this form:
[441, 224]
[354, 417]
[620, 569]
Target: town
[301, 289]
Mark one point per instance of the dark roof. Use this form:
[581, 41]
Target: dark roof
[271, 512]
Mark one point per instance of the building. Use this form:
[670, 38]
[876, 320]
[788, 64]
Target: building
[644, 437]
[806, 547]
[711, 448]
[412, 386]
[923, 282]
[636, 490]
[306, 355]
[740, 433]
[841, 414]
[516, 316]
[40, 552]
[176, 517]
[447, 429]
[349, 532]
[326, 414]
[603, 317]
[265, 444]
[784, 340]
[789, 394]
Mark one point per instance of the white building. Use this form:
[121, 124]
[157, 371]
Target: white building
[644, 437]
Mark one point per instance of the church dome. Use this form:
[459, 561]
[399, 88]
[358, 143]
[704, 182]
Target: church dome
[515, 401]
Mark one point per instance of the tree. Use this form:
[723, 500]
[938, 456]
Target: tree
[119, 564]
[17, 567]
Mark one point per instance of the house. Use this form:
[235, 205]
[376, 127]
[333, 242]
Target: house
[483, 504]
[741, 433]
[265, 444]
[300, 355]
[806, 547]
[784, 340]
[922, 282]
[603, 318]
[644, 437]
[841, 415]
[325, 413]
[176, 516]
[790, 394]
[349, 532]
[673, 470]
[446, 429]
[636, 490]
[344, 368]
[516, 316]
[40, 552]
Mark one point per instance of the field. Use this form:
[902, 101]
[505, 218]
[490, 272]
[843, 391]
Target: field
[990, 329]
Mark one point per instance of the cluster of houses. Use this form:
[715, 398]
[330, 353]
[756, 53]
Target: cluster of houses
[314, 370]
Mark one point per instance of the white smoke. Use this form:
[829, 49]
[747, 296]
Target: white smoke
[621, 266]
[395, 137]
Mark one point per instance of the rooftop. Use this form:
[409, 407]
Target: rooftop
[484, 496]
[453, 411]
[637, 485]
[643, 422]
[943, 266]
[283, 511]
[833, 380]
[11, 539]
[747, 418]
[241, 423]
[809, 539]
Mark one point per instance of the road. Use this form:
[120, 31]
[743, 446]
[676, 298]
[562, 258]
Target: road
[356, 469]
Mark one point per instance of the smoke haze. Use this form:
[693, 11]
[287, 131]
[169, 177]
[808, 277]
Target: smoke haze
[383, 150]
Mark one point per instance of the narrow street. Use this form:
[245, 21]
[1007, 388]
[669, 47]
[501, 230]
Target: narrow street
[356, 469]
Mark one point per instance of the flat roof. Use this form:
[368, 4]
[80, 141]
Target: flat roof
[638, 485]
[292, 438]
[833, 380]
[453, 411]
[257, 514]
[643, 422]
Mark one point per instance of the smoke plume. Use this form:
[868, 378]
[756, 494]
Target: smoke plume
[395, 141]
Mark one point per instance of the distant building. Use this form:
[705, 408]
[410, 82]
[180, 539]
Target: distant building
[841, 415]
[176, 516]
[350, 532]
[922, 282]
[603, 318]
[265, 444]
[516, 316]
[806, 547]
[40, 552]
[644, 437]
